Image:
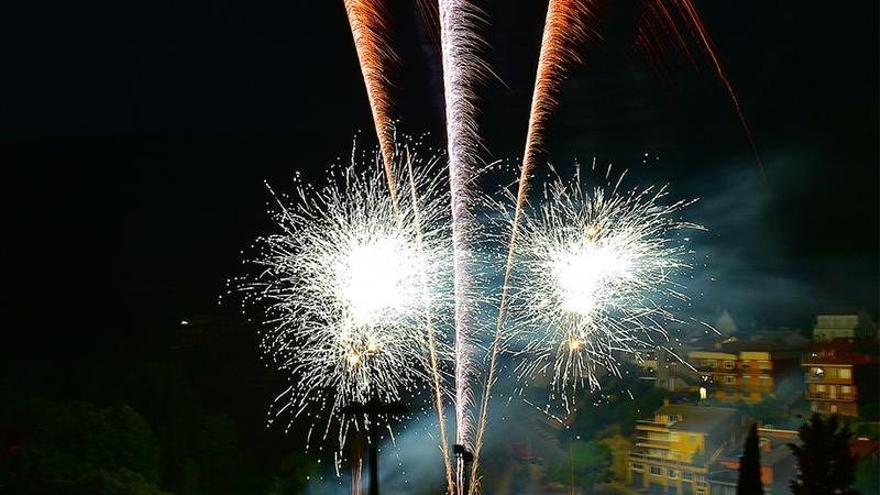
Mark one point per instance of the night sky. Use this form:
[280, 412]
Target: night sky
[136, 137]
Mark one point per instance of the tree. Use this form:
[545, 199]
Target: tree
[589, 463]
[749, 482]
[76, 447]
[620, 447]
[868, 476]
[825, 465]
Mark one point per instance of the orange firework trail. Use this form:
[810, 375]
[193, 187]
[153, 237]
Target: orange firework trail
[369, 29]
[367, 19]
[661, 18]
[565, 29]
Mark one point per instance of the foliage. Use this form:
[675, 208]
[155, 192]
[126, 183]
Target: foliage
[76, 447]
[825, 464]
[163, 442]
[622, 404]
[868, 476]
[619, 446]
[589, 463]
[749, 482]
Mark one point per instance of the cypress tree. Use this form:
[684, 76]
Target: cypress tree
[749, 482]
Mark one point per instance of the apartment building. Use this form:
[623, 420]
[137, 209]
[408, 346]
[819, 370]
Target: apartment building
[844, 326]
[744, 372]
[675, 448]
[839, 380]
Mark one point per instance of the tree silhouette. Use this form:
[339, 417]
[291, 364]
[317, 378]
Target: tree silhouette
[749, 482]
[825, 465]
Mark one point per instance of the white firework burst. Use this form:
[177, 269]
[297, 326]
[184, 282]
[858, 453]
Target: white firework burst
[597, 276]
[349, 284]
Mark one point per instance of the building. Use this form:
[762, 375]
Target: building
[675, 448]
[744, 371]
[778, 464]
[840, 381]
[844, 326]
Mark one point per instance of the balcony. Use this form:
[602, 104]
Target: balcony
[696, 460]
[829, 397]
[645, 439]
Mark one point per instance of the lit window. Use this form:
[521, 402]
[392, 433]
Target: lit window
[764, 365]
[844, 373]
[703, 393]
[846, 390]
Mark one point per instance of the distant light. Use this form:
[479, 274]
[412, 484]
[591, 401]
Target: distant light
[703, 393]
[184, 322]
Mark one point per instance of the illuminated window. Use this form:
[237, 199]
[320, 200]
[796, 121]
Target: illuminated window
[764, 365]
[703, 393]
[844, 373]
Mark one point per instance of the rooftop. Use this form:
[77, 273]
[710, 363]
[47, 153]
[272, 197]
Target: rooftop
[697, 418]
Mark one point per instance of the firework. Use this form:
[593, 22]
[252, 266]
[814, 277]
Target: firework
[367, 19]
[349, 284]
[564, 29]
[675, 20]
[462, 68]
[597, 275]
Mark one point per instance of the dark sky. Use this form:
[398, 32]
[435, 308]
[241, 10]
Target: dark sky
[136, 137]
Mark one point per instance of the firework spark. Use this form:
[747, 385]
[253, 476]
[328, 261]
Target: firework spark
[596, 278]
[462, 68]
[346, 284]
[665, 20]
[368, 21]
[564, 29]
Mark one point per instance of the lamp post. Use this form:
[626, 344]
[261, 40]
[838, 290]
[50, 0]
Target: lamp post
[463, 460]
